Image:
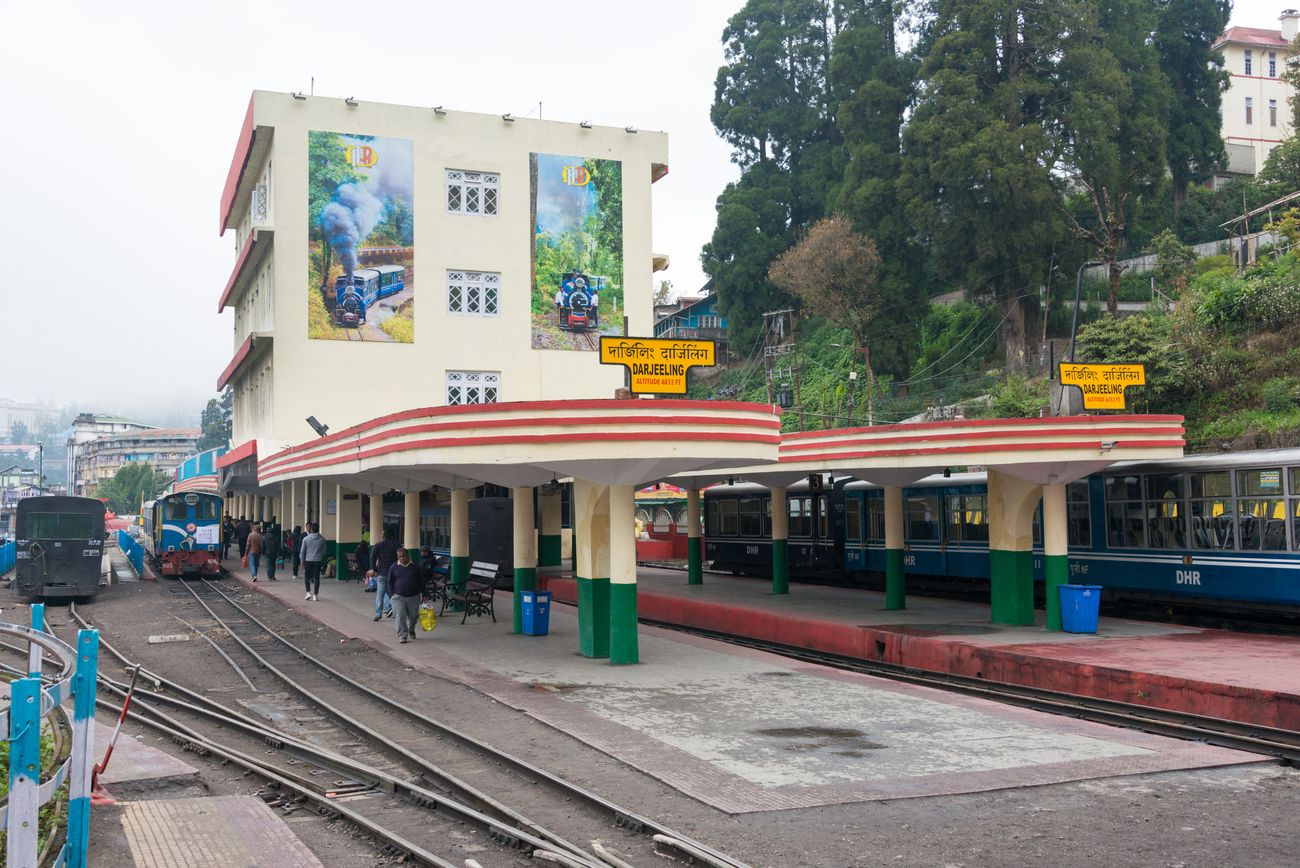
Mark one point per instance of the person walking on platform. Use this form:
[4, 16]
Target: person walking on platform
[242, 530]
[227, 535]
[253, 545]
[405, 582]
[271, 548]
[382, 558]
[362, 558]
[313, 555]
[293, 539]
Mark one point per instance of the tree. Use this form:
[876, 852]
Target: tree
[132, 485]
[664, 293]
[1185, 34]
[977, 152]
[18, 431]
[1174, 260]
[1113, 108]
[214, 429]
[1291, 75]
[1142, 340]
[834, 271]
[1281, 172]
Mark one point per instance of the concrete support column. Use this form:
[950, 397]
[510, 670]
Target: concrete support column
[895, 572]
[411, 524]
[376, 518]
[347, 530]
[459, 535]
[1011, 543]
[550, 539]
[525, 549]
[623, 645]
[1056, 566]
[591, 559]
[324, 494]
[694, 539]
[780, 541]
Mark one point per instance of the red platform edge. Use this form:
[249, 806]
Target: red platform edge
[1208, 698]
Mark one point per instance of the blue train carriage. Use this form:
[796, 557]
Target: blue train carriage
[356, 293]
[183, 534]
[59, 546]
[738, 527]
[491, 534]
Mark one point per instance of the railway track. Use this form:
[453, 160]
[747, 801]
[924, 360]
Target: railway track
[1281, 744]
[387, 787]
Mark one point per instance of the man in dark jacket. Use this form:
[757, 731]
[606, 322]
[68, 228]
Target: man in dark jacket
[382, 557]
[404, 581]
[242, 530]
[271, 548]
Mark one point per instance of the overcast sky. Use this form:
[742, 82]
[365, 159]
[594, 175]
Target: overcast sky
[123, 118]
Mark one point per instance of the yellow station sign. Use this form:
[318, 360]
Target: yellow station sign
[657, 366]
[1102, 385]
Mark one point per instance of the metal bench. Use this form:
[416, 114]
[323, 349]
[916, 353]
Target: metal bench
[475, 594]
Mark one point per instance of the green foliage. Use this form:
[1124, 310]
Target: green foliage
[1015, 396]
[1174, 260]
[18, 432]
[956, 335]
[1266, 297]
[401, 328]
[1217, 262]
[1186, 31]
[215, 427]
[1288, 225]
[1281, 171]
[132, 485]
[1278, 395]
[1145, 339]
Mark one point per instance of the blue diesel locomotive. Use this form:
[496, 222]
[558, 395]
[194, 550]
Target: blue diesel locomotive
[1219, 530]
[183, 534]
[356, 293]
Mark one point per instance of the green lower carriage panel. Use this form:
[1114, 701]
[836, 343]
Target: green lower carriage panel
[593, 617]
[1011, 586]
[623, 645]
[525, 580]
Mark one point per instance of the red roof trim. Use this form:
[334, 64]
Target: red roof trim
[239, 453]
[243, 147]
[986, 423]
[975, 435]
[837, 457]
[244, 256]
[240, 355]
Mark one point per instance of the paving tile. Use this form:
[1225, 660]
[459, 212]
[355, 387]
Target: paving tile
[223, 831]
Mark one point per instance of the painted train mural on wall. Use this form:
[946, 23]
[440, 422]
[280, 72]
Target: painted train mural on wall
[361, 237]
[577, 251]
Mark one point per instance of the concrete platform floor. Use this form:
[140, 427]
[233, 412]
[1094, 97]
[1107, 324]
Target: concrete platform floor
[216, 831]
[747, 731]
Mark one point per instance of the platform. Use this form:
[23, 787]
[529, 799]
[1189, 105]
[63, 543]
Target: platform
[136, 762]
[1245, 677]
[748, 731]
[216, 831]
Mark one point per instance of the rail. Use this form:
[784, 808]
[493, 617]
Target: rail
[133, 550]
[31, 700]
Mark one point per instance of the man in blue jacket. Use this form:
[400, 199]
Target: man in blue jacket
[405, 582]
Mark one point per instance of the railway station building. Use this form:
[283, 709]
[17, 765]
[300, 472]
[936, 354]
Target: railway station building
[418, 294]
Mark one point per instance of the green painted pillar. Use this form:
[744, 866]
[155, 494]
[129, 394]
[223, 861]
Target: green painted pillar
[694, 539]
[623, 642]
[459, 535]
[780, 541]
[1011, 558]
[524, 554]
[591, 566]
[895, 570]
[549, 540]
[1056, 564]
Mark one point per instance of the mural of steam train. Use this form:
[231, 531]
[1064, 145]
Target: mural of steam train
[183, 534]
[577, 305]
[355, 293]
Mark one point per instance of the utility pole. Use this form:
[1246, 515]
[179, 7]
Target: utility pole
[781, 361]
[40, 469]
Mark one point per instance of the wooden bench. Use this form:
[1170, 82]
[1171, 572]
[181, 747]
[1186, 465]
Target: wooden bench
[475, 594]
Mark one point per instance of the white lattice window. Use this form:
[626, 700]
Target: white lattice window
[472, 387]
[474, 292]
[472, 192]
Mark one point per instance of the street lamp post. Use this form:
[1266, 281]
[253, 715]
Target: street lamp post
[40, 469]
[1078, 281]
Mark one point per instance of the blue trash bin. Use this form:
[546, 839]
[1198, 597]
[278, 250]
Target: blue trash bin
[536, 607]
[1079, 607]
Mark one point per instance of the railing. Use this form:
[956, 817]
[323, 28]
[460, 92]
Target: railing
[7, 553]
[31, 700]
[133, 550]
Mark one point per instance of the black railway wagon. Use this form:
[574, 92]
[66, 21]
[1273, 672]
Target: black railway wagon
[60, 546]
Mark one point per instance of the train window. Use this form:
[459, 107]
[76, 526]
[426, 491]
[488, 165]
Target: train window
[975, 519]
[751, 517]
[852, 520]
[1125, 527]
[727, 518]
[1295, 480]
[58, 525]
[1295, 523]
[767, 517]
[1212, 524]
[800, 517]
[1161, 486]
[710, 516]
[175, 510]
[1166, 524]
[1123, 488]
[206, 510]
[1211, 484]
[1262, 524]
[923, 518]
[875, 519]
[1265, 482]
[1077, 515]
[823, 519]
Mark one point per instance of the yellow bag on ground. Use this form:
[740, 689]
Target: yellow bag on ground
[428, 617]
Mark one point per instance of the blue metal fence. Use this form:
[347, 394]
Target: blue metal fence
[7, 551]
[133, 551]
[31, 700]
